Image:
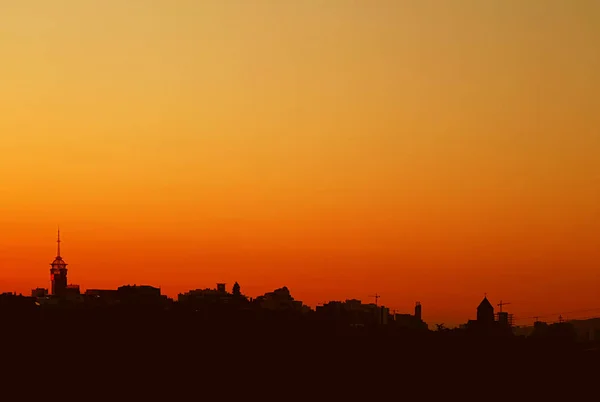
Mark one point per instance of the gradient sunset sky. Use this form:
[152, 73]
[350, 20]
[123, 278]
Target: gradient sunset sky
[423, 150]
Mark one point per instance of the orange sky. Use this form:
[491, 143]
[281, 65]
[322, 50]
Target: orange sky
[424, 150]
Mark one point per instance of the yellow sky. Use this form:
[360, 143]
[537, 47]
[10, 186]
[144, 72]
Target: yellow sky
[338, 147]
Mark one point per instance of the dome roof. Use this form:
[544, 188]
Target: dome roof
[59, 261]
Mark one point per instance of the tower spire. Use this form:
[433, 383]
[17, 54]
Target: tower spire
[58, 243]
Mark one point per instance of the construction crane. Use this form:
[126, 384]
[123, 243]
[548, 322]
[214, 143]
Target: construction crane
[502, 304]
[396, 312]
[376, 296]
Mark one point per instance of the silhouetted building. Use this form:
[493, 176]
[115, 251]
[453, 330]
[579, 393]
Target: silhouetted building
[141, 296]
[485, 312]
[138, 290]
[102, 293]
[486, 323]
[73, 294]
[540, 329]
[205, 296]
[353, 313]
[587, 329]
[103, 297]
[58, 273]
[412, 322]
[129, 295]
[11, 303]
[381, 313]
[278, 300]
[138, 293]
[561, 331]
[418, 311]
[505, 319]
[73, 289]
[39, 292]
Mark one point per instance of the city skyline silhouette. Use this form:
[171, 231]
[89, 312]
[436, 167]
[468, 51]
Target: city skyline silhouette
[229, 309]
[428, 151]
[325, 200]
[61, 287]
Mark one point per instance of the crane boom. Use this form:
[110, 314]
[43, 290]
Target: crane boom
[376, 296]
[502, 304]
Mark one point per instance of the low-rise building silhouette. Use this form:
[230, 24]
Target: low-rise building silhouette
[101, 297]
[140, 295]
[353, 313]
[410, 321]
[39, 292]
[279, 300]
[217, 295]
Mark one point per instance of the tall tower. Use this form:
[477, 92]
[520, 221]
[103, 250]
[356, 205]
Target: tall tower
[418, 311]
[58, 272]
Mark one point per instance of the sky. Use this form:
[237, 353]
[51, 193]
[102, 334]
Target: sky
[423, 150]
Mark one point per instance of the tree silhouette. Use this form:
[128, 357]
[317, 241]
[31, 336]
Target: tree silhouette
[236, 290]
[440, 327]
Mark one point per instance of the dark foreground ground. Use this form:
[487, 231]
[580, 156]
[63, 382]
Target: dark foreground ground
[142, 358]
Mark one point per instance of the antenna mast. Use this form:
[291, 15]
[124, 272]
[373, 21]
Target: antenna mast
[58, 243]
